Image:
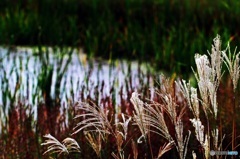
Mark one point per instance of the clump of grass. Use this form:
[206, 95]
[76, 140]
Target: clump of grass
[169, 114]
[209, 76]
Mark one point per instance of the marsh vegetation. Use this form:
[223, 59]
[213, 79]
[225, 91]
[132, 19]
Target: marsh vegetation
[118, 79]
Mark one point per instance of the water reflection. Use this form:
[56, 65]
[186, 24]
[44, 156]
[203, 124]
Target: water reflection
[21, 69]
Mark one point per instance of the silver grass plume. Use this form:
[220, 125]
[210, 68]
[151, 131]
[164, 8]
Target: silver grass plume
[124, 126]
[209, 75]
[149, 115]
[199, 130]
[54, 146]
[95, 119]
[139, 115]
[216, 60]
[182, 142]
[203, 77]
[191, 96]
[232, 63]
[155, 117]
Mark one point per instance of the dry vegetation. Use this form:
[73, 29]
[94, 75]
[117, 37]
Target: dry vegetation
[177, 121]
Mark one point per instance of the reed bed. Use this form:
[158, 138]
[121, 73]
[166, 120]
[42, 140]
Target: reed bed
[39, 94]
[48, 111]
[145, 115]
[175, 120]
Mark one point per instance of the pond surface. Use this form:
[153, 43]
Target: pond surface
[21, 71]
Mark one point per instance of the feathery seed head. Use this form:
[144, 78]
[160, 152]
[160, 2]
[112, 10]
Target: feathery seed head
[199, 130]
[54, 146]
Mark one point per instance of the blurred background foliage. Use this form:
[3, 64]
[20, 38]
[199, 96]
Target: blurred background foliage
[166, 33]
